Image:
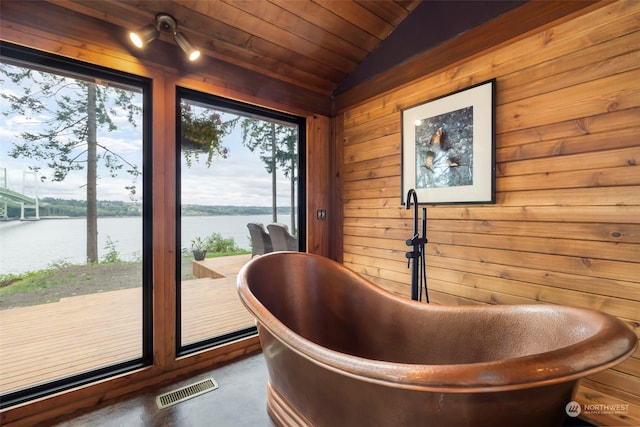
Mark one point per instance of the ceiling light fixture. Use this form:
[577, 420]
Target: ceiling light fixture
[143, 36]
[184, 44]
[167, 24]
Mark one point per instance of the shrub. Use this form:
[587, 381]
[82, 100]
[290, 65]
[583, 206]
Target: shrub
[216, 243]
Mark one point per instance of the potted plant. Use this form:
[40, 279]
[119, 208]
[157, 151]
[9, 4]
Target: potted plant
[198, 248]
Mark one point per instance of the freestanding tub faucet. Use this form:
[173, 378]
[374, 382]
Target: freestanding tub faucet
[418, 272]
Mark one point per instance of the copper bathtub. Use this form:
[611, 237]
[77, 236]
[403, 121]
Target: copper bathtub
[341, 351]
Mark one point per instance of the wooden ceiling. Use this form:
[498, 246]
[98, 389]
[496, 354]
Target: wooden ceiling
[310, 44]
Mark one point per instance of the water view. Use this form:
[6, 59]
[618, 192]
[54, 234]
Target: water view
[34, 245]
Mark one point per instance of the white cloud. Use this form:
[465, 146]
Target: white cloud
[241, 179]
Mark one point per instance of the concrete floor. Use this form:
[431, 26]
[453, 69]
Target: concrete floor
[240, 400]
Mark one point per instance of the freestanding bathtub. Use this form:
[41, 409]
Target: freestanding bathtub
[341, 351]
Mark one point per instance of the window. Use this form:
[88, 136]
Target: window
[237, 165]
[75, 301]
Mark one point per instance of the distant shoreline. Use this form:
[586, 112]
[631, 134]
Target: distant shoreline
[51, 208]
[43, 217]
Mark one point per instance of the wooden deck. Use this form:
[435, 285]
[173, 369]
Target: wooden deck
[210, 304]
[50, 341]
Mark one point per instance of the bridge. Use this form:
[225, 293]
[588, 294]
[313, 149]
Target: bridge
[11, 197]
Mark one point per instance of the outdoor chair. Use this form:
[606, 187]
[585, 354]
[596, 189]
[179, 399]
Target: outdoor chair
[281, 239]
[261, 242]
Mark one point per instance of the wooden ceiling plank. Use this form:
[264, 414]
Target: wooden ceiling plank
[244, 21]
[267, 66]
[88, 39]
[330, 22]
[294, 73]
[262, 55]
[359, 16]
[231, 45]
[113, 12]
[311, 44]
[392, 12]
[301, 27]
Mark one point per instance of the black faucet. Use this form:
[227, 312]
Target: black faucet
[418, 273]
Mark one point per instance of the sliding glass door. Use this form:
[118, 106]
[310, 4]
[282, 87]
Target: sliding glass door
[239, 168]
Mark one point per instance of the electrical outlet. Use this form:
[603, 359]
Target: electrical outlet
[321, 214]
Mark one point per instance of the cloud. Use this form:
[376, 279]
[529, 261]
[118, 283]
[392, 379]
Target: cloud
[240, 179]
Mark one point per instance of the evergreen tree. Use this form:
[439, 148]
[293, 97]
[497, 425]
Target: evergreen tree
[277, 147]
[71, 111]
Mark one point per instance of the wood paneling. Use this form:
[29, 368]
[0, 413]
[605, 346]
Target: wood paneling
[566, 225]
[310, 45]
[318, 159]
[73, 34]
[52, 29]
[530, 18]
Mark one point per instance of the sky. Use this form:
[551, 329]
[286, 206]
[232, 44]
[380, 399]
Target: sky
[240, 180]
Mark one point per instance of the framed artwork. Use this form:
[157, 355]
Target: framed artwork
[448, 147]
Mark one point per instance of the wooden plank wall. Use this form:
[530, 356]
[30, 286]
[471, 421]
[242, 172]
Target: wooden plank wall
[566, 225]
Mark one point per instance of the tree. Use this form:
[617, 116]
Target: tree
[277, 147]
[288, 161]
[71, 112]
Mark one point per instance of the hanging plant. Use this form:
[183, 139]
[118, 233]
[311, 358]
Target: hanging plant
[202, 133]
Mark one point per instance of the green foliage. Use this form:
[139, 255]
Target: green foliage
[197, 244]
[201, 131]
[68, 112]
[216, 243]
[50, 206]
[28, 284]
[7, 280]
[34, 281]
[63, 279]
[203, 210]
[112, 256]
[276, 144]
[61, 105]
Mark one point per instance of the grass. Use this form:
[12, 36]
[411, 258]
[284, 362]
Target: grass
[27, 282]
[187, 254]
[62, 279]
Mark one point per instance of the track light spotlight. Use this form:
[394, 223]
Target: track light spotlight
[184, 44]
[143, 36]
[168, 24]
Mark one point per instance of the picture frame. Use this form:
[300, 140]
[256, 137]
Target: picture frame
[448, 147]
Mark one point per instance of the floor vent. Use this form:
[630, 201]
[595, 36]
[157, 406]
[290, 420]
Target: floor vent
[171, 398]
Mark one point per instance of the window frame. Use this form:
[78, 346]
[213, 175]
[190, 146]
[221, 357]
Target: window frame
[251, 110]
[43, 61]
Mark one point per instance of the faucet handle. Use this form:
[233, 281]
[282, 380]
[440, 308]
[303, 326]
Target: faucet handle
[412, 240]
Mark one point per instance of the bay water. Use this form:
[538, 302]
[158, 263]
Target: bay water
[34, 245]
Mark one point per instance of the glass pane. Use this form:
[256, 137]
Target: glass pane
[71, 230]
[237, 168]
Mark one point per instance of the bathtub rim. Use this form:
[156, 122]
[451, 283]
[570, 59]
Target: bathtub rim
[546, 368]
